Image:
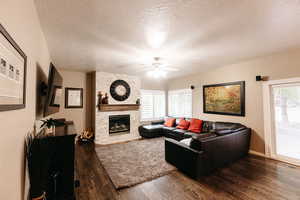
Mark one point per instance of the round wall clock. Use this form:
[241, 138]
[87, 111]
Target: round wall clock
[120, 90]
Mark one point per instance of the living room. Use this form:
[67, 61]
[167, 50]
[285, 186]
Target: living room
[157, 99]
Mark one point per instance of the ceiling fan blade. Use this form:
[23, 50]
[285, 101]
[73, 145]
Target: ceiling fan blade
[127, 66]
[132, 66]
[170, 69]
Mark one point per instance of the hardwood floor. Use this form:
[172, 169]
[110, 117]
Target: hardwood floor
[252, 178]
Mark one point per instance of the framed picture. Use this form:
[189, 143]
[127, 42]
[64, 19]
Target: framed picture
[73, 98]
[224, 99]
[12, 73]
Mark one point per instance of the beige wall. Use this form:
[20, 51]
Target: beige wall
[20, 19]
[77, 115]
[277, 66]
[153, 84]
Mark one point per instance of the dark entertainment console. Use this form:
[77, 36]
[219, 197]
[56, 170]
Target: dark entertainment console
[60, 183]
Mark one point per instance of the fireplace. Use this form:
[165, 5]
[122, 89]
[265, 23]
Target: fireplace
[119, 124]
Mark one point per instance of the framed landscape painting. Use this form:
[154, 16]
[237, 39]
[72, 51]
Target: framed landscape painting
[224, 99]
[12, 73]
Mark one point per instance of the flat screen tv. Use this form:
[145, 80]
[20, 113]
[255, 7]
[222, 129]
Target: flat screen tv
[54, 92]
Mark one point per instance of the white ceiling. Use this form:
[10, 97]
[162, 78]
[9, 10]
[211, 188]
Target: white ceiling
[116, 35]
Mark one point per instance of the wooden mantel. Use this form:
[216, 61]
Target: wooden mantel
[117, 107]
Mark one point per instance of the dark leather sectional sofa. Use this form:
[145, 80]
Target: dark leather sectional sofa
[198, 154]
[157, 129]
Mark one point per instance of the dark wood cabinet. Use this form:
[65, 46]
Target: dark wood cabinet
[60, 183]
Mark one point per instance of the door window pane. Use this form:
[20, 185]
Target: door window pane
[287, 120]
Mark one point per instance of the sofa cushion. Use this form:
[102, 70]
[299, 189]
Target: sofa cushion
[180, 131]
[161, 122]
[224, 128]
[177, 119]
[150, 131]
[153, 127]
[186, 141]
[183, 124]
[200, 137]
[189, 134]
[195, 125]
[196, 140]
[168, 128]
[169, 122]
[223, 131]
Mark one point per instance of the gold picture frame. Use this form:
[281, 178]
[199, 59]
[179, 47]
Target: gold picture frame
[224, 98]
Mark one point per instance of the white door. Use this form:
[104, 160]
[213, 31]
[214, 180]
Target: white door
[284, 102]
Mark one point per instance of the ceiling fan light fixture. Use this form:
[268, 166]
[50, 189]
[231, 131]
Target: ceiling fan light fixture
[157, 73]
[156, 38]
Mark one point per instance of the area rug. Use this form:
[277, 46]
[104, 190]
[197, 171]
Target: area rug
[134, 162]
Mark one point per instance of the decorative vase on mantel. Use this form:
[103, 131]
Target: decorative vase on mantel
[105, 99]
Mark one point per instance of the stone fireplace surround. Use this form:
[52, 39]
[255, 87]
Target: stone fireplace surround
[103, 81]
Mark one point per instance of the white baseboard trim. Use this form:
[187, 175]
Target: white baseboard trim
[257, 153]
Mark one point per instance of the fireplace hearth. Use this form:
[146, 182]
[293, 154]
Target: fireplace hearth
[119, 124]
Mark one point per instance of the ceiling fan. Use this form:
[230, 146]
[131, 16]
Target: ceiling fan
[158, 63]
[158, 68]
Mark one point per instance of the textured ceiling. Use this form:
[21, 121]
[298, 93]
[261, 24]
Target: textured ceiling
[119, 35]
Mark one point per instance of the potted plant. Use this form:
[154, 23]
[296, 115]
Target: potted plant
[49, 125]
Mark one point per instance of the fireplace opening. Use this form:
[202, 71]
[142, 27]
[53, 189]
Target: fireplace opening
[119, 124]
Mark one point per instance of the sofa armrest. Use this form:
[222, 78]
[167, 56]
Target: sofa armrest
[246, 132]
[171, 142]
[157, 122]
[186, 159]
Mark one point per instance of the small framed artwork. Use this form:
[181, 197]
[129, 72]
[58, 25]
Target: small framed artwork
[73, 97]
[224, 99]
[12, 73]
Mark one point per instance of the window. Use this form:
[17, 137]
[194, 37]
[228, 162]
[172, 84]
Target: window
[153, 104]
[180, 103]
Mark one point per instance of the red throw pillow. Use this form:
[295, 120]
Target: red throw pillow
[196, 125]
[169, 122]
[183, 124]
